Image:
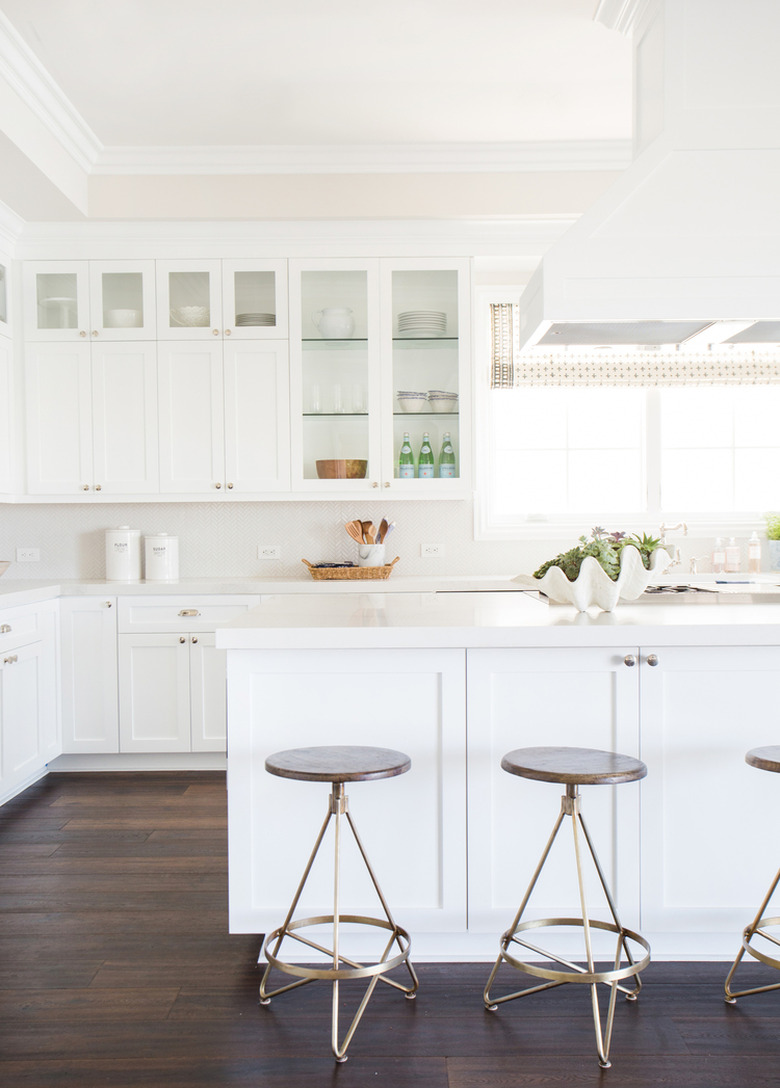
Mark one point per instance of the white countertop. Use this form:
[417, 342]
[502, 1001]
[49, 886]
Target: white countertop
[496, 619]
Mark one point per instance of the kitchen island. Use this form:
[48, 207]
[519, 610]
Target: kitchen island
[456, 679]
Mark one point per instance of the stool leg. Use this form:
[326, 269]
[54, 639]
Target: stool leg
[747, 936]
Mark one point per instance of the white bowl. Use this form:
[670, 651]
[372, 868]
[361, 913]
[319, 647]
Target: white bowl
[442, 404]
[413, 404]
[4, 565]
[190, 316]
[123, 319]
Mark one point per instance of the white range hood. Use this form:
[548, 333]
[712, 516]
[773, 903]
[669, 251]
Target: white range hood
[685, 247]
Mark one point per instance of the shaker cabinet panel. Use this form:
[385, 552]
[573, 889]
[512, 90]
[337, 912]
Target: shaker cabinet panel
[59, 418]
[191, 417]
[88, 667]
[257, 417]
[154, 693]
[124, 411]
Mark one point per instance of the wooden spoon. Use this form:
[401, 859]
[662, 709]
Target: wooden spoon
[380, 536]
[369, 532]
[355, 530]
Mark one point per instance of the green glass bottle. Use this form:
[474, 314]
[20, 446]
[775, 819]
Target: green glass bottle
[426, 460]
[447, 458]
[406, 460]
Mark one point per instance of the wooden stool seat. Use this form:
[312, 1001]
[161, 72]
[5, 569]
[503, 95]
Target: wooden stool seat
[338, 763]
[766, 759]
[574, 766]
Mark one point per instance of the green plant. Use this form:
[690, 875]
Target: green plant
[772, 526]
[606, 548]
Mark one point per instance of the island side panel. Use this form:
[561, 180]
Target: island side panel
[413, 827]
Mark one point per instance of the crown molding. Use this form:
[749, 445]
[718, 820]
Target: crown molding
[562, 155]
[621, 15]
[11, 225]
[25, 74]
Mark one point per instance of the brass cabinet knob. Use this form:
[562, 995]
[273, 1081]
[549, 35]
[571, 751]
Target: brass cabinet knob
[182, 639]
[215, 332]
[5, 628]
[95, 332]
[652, 660]
[227, 332]
[85, 487]
[10, 660]
[109, 604]
[195, 638]
[230, 487]
[82, 332]
[218, 486]
[629, 660]
[98, 487]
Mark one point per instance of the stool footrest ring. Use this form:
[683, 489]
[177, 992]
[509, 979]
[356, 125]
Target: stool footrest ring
[354, 970]
[575, 973]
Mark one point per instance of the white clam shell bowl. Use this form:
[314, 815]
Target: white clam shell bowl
[594, 586]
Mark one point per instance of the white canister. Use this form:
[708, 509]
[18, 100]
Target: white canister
[123, 554]
[162, 557]
[371, 555]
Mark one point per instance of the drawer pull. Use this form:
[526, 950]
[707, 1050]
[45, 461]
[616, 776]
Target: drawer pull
[189, 612]
[10, 660]
[5, 628]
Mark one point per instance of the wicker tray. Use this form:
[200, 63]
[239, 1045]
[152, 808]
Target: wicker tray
[351, 573]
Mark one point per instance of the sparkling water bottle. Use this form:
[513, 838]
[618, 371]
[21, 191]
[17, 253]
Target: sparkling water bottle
[426, 461]
[447, 458]
[406, 460]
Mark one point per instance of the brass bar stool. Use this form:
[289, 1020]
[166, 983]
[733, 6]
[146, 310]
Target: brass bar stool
[765, 759]
[338, 765]
[573, 767]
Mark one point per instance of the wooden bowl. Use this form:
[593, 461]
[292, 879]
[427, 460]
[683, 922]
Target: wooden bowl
[349, 469]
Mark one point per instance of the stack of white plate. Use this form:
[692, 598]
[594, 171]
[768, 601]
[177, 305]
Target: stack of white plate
[422, 323]
[256, 319]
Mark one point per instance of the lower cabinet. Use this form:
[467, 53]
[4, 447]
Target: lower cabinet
[413, 827]
[171, 675]
[29, 725]
[88, 674]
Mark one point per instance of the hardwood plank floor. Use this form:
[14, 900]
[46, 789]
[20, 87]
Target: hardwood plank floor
[116, 968]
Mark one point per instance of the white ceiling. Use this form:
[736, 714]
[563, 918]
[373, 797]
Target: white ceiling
[170, 73]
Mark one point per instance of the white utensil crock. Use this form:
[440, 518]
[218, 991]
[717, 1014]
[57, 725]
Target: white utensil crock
[371, 555]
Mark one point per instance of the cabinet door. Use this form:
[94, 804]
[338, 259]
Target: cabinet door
[154, 693]
[707, 816]
[189, 305]
[334, 375]
[426, 342]
[257, 415]
[124, 406]
[6, 416]
[192, 437]
[88, 651]
[520, 698]
[5, 295]
[59, 419]
[56, 300]
[254, 299]
[28, 714]
[122, 300]
[208, 711]
[413, 826]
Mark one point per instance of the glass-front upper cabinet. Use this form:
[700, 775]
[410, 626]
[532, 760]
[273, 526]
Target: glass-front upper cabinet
[243, 299]
[427, 383]
[89, 300]
[334, 381]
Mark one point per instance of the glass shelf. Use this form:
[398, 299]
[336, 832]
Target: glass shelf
[334, 345]
[425, 415]
[335, 415]
[424, 341]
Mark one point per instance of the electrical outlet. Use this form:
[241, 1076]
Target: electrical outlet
[269, 551]
[28, 555]
[430, 551]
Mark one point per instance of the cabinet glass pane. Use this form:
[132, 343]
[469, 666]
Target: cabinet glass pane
[189, 300]
[56, 299]
[3, 295]
[123, 300]
[335, 374]
[425, 363]
[255, 295]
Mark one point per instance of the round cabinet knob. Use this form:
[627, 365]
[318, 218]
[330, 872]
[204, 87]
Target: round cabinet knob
[82, 332]
[652, 660]
[387, 483]
[230, 487]
[227, 332]
[215, 332]
[85, 487]
[218, 486]
[195, 639]
[109, 604]
[374, 483]
[98, 487]
[182, 639]
[629, 660]
[95, 332]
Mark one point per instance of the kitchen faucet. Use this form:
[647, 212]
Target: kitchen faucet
[675, 554]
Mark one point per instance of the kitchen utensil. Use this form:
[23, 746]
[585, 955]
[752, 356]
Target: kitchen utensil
[380, 536]
[368, 530]
[355, 530]
[388, 531]
[348, 469]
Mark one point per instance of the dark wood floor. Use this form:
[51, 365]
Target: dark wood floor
[116, 969]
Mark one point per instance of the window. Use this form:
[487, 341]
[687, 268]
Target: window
[625, 454]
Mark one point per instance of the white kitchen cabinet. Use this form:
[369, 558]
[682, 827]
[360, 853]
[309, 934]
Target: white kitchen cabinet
[413, 826]
[707, 816]
[517, 698]
[91, 419]
[171, 676]
[89, 300]
[361, 331]
[224, 417]
[88, 674]
[5, 294]
[210, 299]
[7, 417]
[29, 723]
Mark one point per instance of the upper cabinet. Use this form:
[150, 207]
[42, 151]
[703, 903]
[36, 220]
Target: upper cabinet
[379, 348]
[201, 300]
[5, 295]
[89, 300]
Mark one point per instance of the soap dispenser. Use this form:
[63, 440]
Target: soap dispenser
[754, 554]
[732, 556]
[718, 556]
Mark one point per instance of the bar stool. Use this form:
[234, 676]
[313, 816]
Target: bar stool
[573, 767]
[765, 759]
[338, 765]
